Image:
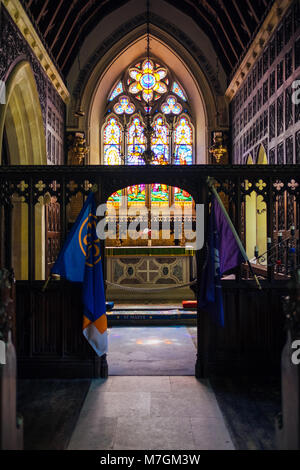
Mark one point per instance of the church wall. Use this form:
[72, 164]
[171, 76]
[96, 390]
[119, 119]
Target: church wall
[13, 50]
[262, 111]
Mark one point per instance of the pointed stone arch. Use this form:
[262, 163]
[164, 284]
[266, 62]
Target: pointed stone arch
[262, 158]
[93, 99]
[22, 122]
[21, 117]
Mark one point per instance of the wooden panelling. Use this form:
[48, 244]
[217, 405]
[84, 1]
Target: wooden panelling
[51, 344]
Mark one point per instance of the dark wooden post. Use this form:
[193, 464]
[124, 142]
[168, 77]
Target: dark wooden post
[11, 433]
[202, 324]
[288, 423]
[101, 365]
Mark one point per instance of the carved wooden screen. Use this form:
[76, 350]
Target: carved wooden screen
[52, 238]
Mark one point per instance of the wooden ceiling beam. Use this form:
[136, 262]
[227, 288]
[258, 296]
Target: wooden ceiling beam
[242, 18]
[253, 11]
[49, 27]
[79, 32]
[231, 23]
[213, 29]
[218, 19]
[66, 16]
[41, 14]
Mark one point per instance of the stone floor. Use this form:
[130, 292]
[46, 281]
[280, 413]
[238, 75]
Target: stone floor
[150, 413]
[151, 350]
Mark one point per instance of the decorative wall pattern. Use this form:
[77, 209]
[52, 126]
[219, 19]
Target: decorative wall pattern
[263, 111]
[148, 270]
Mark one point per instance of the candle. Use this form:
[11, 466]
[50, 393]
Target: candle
[269, 240]
[293, 230]
[256, 251]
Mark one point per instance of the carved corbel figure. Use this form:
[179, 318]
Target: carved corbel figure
[78, 149]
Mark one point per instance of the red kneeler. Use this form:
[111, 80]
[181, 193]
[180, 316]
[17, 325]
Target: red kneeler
[189, 304]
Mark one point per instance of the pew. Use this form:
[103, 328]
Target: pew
[11, 426]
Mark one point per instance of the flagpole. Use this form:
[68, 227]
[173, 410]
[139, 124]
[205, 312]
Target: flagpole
[46, 284]
[234, 232]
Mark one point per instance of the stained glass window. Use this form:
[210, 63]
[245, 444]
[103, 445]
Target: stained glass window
[112, 137]
[183, 139]
[124, 106]
[136, 142]
[115, 199]
[116, 91]
[182, 197]
[178, 91]
[171, 106]
[160, 142]
[147, 80]
[136, 195]
[159, 194]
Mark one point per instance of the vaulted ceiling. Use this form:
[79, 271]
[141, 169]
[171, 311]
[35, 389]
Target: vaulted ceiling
[230, 24]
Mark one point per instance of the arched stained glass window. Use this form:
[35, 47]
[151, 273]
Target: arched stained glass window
[136, 142]
[148, 88]
[160, 141]
[183, 139]
[112, 138]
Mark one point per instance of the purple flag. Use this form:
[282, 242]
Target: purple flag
[229, 252]
[223, 254]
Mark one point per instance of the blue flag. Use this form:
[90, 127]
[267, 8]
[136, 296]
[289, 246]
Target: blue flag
[223, 255]
[70, 263]
[80, 261]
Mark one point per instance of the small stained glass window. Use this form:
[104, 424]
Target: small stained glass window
[183, 142]
[136, 142]
[171, 106]
[160, 142]
[178, 91]
[112, 136]
[124, 106]
[116, 91]
[182, 197]
[159, 194]
[148, 80]
[115, 199]
[136, 195]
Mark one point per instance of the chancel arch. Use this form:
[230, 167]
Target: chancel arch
[165, 50]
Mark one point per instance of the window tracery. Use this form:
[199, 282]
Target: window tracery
[148, 89]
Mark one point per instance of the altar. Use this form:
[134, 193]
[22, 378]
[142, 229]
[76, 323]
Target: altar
[152, 268]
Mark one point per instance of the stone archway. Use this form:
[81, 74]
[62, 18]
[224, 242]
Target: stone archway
[22, 123]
